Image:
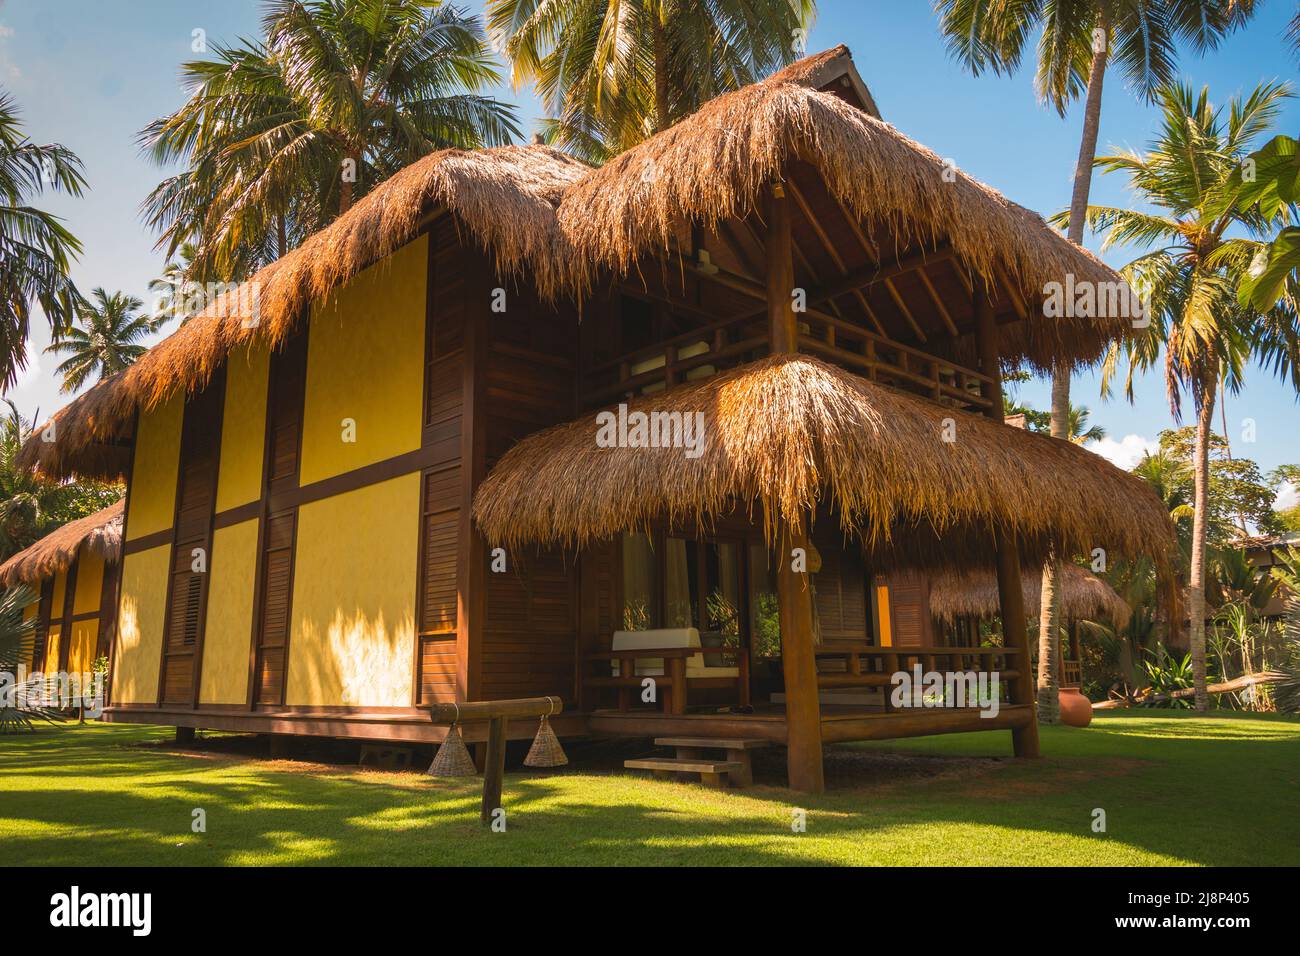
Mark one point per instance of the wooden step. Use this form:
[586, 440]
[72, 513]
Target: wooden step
[710, 743]
[712, 773]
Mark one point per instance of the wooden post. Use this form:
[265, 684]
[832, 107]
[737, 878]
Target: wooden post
[802, 708]
[1011, 597]
[494, 768]
[780, 274]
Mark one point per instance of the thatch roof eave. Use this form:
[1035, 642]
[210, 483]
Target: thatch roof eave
[99, 533]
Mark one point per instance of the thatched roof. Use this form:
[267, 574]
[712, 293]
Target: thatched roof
[1084, 596]
[715, 165]
[100, 533]
[504, 197]
[568, 228]
[789, 432]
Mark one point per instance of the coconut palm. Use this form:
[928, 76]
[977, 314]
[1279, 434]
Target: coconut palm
[612, 72]
[105, 338]
[36, 249]
[171, 290]
[281, 135]
[1078, 41]
[20, 705]
[1274, 187]
[1204, 333]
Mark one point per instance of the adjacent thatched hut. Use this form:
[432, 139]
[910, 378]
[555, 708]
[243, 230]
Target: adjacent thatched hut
[974, 593]
[73, 572]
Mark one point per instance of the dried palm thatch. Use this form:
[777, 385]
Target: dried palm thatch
[567, 227]
[715, 165]
[787, 432]
[100, 534]
[974, 592]
[505, 197]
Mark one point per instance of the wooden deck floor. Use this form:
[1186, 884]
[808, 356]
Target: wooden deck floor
[839, 723]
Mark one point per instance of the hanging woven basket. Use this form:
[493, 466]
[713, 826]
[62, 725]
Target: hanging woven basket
[453, 759]
[546, 750]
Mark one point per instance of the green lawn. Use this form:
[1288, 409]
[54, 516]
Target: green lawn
[1177, 789]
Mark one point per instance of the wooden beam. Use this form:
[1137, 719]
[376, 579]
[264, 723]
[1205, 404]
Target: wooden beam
[1011, 598]
[794, 594]
[938, 303]
[872, 274]
[834, 254]
[802, 703]
[782, 325]
[902, 307]
[494, 769]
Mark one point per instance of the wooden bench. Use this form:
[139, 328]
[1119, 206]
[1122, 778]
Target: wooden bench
[736, 749]
[712, 772]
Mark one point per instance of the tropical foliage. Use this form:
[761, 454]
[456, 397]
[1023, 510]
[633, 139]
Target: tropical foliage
[1198, 330]
[612, 73]
[20, 704]
[282, 134]
[104, 340]
[36, 249]
[31, 506]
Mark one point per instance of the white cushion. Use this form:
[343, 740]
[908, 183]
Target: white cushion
[665, 637]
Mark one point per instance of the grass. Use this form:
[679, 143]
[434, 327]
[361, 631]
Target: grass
[1178, 789]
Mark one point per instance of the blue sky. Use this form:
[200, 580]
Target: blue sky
[91, 74]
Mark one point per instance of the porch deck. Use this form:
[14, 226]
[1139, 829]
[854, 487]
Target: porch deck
[839, 722]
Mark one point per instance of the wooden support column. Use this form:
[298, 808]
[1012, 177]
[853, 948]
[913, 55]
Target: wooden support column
[1011, 597]
[802, 708]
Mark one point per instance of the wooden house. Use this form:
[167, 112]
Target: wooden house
[393, 470]
[72, 573]
[959, 600]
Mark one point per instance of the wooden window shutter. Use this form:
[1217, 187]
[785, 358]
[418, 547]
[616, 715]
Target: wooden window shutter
[909, 597]
[196, 494]
[285, 398]
[840, 587]
[440, 524]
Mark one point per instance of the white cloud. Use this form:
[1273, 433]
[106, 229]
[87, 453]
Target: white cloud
[1288, 496]
[28, 376]
[1126, 452]
[6, 32]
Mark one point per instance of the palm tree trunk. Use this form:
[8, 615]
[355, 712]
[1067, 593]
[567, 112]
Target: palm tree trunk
[1196, 588]
[345, 190]
[661, 76]
[1050, 605]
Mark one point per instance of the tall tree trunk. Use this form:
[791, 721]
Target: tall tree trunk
[351, 168]
[1049, 614]
[1196, 587]
[661, 76]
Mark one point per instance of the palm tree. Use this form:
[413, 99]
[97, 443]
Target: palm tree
[172, 289]
[35, 247]
[1078, 39]
[1206, 335]
[19, 704]
[612, 73]
[105, 340]
[282, 135]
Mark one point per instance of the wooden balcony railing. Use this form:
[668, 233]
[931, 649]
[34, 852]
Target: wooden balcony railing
[715, 346]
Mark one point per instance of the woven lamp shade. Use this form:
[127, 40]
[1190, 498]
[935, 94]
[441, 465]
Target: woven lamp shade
[452, 759]
[546, 750]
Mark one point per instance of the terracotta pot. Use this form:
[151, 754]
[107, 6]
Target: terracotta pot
[1076, 710]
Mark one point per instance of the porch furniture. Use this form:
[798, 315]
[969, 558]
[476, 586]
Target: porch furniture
[712, 772]
[674, 659]
[737, 751]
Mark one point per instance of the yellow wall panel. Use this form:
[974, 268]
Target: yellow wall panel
[243, 427]
[152, 503]
[52, 644]
[353, 636]
[90, 582]
[140, 626]
[81, 650]
[365, 363]
[60, 589]
[228, 632]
